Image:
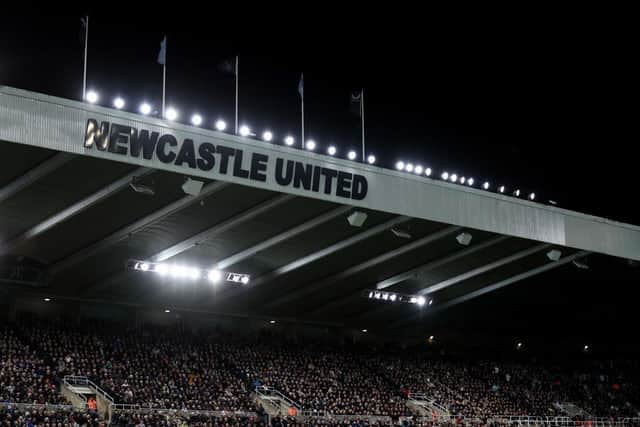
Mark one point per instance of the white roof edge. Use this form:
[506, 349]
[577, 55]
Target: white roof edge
[389, 190]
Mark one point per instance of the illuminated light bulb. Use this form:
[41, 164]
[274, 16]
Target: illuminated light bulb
[221, 125]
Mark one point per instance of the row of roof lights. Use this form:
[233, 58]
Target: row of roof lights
[220, 125]
[245, 131]
[452, 177]
[418, 300]
[184, 272]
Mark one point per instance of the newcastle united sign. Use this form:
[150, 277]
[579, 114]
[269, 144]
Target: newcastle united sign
[186, 153]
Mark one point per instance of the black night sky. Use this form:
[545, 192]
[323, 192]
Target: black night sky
[541, 100]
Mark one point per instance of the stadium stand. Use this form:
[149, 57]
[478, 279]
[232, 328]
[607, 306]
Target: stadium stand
[163, 373]
[156, 369]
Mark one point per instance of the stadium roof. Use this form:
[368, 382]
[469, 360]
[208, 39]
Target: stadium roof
[66, 202]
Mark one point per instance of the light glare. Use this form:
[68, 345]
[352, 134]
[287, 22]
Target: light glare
[311, 145]
[171, 114]
[221, 125]
[289, 140]
[215, 276]
[351, 155]
[92, 97]
[400, 165]
[194, 273]
[118, 103]
[244, 130]
[332, 150]
[196, 120]
[267, 136]
[145, 108]
[162, 269]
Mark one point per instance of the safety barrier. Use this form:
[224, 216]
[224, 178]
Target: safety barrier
[37, 406]
[524, 420]
[181, 412]
[75, 380]
[269, 392]
[423, 397]
[371, 419]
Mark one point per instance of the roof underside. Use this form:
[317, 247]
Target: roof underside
[80, 217]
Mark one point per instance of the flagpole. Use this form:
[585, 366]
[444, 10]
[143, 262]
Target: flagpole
[236, 74]
[362, 116]
[164, 84]
[164, 75]
[302, 101]
[84, 73]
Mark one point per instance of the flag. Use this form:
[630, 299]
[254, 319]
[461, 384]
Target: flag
[162, 55]
[356, 103]
[228, 66]
[301, 86]
[82, 35]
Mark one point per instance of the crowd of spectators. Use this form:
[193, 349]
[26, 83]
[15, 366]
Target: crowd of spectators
[318, 379]
[15, 417]
[480, 388]
[24, 375]
[152, 368]
[472, 388]
[132, 419]
[173, 369]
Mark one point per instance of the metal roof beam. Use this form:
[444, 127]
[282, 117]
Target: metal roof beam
[194, 240]
[313, 257]
[305, 290]
[412, 273]
[281, 237]
[73, 210]
[134, 227]
[45, 168]
[432, 265]
[226, 225]
[498, 285]
[483, 269]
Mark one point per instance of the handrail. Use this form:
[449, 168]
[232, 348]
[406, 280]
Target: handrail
[500, 419]
[71, 380]
[82, 397]
[266, 391]
[142, 409]
[426, 398]
[331, 417]
[561, 421]
[52, 406]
